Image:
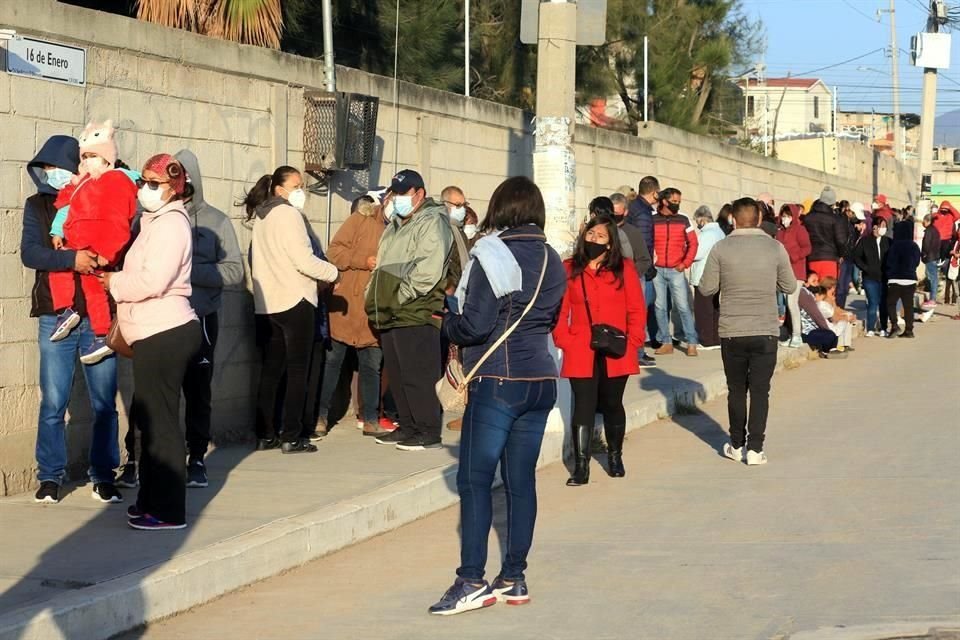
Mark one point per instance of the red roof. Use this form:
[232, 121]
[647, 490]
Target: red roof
[792, 83]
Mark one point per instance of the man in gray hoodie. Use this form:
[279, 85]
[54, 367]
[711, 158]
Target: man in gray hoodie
[747, 269]
[216, 264]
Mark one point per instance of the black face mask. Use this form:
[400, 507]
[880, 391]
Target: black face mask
[673, 207]
[619, 219]
[593, 249]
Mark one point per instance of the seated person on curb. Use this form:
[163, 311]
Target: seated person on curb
[841, 322]
[816, 330]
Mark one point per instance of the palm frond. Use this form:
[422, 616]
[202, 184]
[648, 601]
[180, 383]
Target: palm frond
[256, 22]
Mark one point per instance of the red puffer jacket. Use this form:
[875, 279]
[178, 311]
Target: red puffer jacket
[796, 241]
[944, 219]
[101, 211]
[621, 307]
[674, 241]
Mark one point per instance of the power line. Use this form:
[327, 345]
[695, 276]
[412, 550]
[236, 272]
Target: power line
[868, 17]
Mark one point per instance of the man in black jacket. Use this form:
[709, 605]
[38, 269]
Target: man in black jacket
[828, 235]
[930, 254]
[51, 170]
[869, 255]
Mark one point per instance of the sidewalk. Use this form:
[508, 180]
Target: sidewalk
[75, 569]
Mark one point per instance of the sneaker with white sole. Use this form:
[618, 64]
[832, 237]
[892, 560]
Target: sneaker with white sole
[870, 334]
[795, 343]
[97, 351]
[463, 597]
[48, 493]
[756, 457]
[926, 315]
[734, 454]
[882, 333]
[106, 492]
[67, 321]
[513, 593]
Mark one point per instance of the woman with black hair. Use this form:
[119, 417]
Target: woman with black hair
[602, 289]
[285, 275]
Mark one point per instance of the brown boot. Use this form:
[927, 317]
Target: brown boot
[692, 351]
[664, 350]
[455, 425]
[373, 429]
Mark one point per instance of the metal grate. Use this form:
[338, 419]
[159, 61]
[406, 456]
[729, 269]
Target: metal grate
[339, 130]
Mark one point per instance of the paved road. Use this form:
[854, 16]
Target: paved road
[854, 521]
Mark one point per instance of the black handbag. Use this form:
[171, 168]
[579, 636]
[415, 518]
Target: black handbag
[604, 339]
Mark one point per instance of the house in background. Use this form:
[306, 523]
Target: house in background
[805, 106]
[876, 130]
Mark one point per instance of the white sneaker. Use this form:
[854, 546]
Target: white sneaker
[703, 348]
[870, 334]
[734, 454]
[756, 457]
[795, 343]
[926, 315]
[882, 333]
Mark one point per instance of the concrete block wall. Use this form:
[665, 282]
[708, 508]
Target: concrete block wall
[241, 109]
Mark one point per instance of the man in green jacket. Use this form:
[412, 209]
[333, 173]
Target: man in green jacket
[405, 301]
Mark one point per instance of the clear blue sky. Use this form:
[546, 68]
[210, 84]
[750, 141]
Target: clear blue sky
[803, 35]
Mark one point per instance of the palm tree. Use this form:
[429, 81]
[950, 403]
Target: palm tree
[256, 22]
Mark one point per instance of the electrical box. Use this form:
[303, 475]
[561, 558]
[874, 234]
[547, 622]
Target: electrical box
[931, 50]
[591, 22]
[339, 131]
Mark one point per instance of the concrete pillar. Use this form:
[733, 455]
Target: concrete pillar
[554, 167]
[927, 122]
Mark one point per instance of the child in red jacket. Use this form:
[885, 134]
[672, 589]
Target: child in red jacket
[99, 208]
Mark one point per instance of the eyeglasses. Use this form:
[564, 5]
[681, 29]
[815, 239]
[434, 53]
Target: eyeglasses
[153, 184]
[457, 204]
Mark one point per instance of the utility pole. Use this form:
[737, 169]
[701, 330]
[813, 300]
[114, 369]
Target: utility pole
[554, 168]
[328, 65]
[895, 73]
[929, 109]
[466, 48]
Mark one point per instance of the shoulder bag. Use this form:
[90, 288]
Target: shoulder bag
[605, 339]
[452, 387]
[117, 342]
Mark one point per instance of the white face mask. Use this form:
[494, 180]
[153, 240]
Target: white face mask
[458, 214]
[388, 211]
[470, 230]
[58, 178]
[297, 198]
[785, 221]
[881, 231]
[150, 199]
[403, 206]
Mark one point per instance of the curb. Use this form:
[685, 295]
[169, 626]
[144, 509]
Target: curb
[189, 580]
[936, 629]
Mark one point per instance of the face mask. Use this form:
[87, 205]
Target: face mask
[674, 207]
[403, 206]
[881, 231]
[58, 178]
[388, 212]
[785, 221]
[470, 230]
[458, 214]
[297, 199]
[150, 199]
[619, 219]
[594, 250]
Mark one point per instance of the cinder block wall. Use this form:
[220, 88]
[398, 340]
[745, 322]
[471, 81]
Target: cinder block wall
[240, 109]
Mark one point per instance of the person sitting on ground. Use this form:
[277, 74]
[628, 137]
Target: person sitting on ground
[841, 322]
[816, 329]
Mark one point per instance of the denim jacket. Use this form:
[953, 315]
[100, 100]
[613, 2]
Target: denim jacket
[526, 353]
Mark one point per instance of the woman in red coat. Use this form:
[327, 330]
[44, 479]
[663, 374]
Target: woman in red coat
[615, 298]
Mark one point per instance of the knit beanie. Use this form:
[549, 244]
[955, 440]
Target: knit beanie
[98, 138]
[168, 166]
[828, 196]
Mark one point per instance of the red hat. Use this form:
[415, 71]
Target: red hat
[166, 165]
[882, 199]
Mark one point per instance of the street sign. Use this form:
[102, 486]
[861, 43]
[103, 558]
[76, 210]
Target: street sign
[46, 60]
[591, 22]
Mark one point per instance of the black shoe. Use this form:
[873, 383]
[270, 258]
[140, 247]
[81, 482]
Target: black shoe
[128, 476]
[615, 436]
[646, 362]
[49, 492]
[395, 437]
[106, 492]
[196, 474]
[300, 446]
[581, 454]
[266, 444]
[907, 334]
[419, 443]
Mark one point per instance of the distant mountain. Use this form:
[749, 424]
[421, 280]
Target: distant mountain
[947, 129]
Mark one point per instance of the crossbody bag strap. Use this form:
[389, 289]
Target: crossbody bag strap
[586, 300]
[506, 334]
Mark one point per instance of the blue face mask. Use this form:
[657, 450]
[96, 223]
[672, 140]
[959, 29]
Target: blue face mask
[58, 178]
[403, 206]
[458, 215]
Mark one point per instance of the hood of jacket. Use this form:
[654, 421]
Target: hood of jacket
[269, 205]
[192, 165]
[946, 207]
[903, 232]
[58, 151]
[820, 207]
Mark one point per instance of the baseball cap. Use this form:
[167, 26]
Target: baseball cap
[378, 194]
[406, 180]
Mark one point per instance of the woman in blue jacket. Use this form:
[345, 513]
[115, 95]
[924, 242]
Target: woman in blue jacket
[512, 392]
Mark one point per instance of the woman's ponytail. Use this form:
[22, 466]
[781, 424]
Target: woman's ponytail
[256, 196]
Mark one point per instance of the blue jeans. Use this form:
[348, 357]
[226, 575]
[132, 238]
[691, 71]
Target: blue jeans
[673, 282]
[876, 302]
[933, 275]
[58, 360]
[368, 386]
[504, 422]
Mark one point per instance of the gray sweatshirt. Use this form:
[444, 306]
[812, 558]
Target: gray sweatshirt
[748, 268]
[216, 253]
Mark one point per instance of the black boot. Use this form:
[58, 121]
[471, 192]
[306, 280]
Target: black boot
[615, 435]
[582, 436]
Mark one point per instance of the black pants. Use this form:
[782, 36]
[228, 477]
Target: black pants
[197, 393]
[413, 368]
[706, 315]
[902, 293]
[318, 362]
[748, 363]
[159, 363]
[598, 394]
[287, 346]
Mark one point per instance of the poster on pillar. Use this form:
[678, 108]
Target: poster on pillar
[554, 171]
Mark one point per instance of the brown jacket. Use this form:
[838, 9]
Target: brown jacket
[357, 240]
